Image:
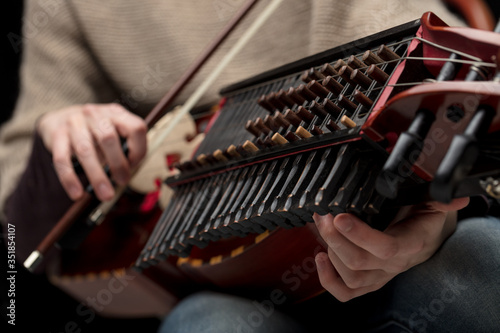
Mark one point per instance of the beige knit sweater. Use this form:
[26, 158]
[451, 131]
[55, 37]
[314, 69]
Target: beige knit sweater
[129, 51]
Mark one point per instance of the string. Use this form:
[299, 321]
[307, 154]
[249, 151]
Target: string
[395, 85]
[462, 61]
[444, 48]
[474, 62]
[469, 62]
[441, 47]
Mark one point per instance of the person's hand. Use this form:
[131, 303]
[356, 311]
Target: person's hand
[361, 259]
[91, 133]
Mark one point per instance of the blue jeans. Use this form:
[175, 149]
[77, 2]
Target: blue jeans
[457, 290]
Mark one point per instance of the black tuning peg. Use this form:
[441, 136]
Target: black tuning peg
[406, 151]
[450, 68]
[461, 155]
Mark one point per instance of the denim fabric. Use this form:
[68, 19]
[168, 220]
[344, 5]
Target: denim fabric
[209, 312]
[457, 290]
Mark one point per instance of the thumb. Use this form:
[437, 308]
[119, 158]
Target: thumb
[455, 204]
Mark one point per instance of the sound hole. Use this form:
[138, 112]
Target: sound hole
[455, 112]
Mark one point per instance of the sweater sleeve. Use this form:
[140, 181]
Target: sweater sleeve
[57, 70]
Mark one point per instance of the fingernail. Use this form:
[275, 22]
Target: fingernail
[316, 218]
[320, 261]
[105, 191]
[320, 218]
[74, 192]
[343, 224]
